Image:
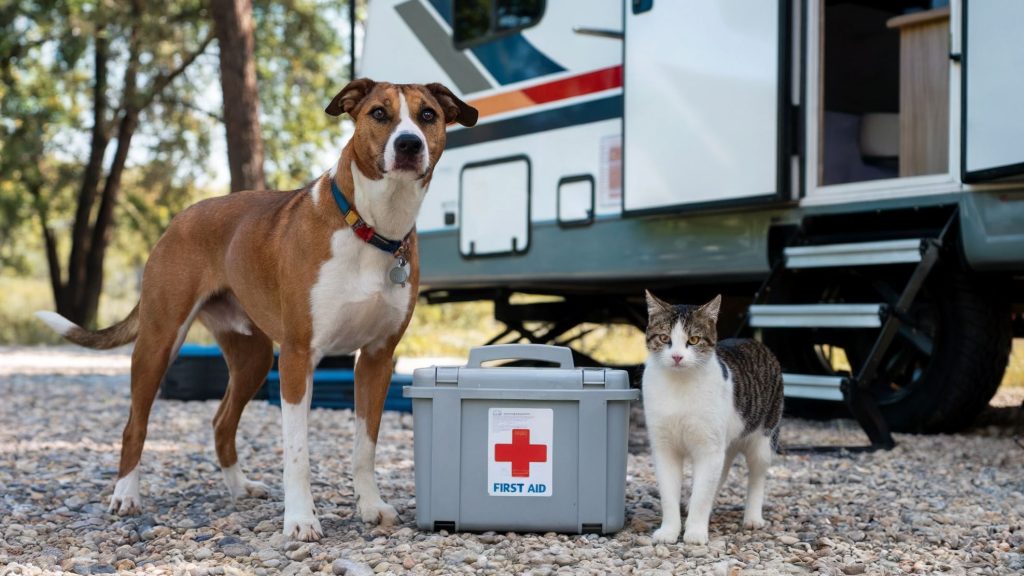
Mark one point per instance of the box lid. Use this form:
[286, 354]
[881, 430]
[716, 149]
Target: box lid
[531, 381]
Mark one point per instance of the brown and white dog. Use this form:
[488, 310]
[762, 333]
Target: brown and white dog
[260, 267]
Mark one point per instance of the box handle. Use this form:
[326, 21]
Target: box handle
[555, 354]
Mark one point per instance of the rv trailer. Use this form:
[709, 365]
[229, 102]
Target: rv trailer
[847, 173]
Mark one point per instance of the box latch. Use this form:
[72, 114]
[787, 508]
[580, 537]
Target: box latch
[593, 378]
[447, 376]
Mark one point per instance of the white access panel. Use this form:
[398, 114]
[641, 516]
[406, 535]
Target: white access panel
[701, 102]
[494, 211]
[993, 76]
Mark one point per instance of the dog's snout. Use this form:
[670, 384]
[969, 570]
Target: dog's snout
[408, 144]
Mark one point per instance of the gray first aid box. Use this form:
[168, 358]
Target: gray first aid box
[519, 448]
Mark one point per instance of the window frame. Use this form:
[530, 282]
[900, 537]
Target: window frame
[491, 34]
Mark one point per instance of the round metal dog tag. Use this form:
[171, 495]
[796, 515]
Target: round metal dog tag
[399, 273]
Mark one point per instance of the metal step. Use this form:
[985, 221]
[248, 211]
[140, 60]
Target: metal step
[813, 387]
[816, 315]
[855, 254]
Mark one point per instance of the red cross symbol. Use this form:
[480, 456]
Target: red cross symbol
[520, 453]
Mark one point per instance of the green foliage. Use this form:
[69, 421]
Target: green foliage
[47, 79]
[301, 65]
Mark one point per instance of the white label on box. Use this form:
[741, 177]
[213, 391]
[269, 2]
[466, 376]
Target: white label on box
[519, 458]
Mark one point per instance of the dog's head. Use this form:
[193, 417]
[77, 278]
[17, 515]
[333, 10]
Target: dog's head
[400, 128]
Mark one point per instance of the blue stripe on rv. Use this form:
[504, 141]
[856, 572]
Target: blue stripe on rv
[572, 115]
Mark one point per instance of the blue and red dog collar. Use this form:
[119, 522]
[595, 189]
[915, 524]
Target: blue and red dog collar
[364, 231]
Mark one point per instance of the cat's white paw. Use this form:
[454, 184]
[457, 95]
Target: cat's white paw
[378, 512]
[697, 536]
[666, 535]
[305, 528]
[753, 523]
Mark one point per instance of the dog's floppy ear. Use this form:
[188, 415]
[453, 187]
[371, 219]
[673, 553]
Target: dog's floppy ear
[455, 110]
[350, 97]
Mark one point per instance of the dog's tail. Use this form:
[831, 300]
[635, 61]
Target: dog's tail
[123, 332]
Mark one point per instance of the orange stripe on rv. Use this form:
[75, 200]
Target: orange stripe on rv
[579, 85]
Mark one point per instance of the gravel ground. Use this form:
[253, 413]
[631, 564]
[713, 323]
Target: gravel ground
[949, 504]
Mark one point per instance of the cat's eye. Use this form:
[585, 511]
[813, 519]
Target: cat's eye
[694, 340]
[664, 339]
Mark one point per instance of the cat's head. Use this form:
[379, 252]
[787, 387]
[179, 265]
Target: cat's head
[681, 337]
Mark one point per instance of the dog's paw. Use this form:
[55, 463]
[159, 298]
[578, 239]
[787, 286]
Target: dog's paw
[303, 528]
[666, 535]
[378, 512]
[697, 536]
[257, 489]
[125, 505]
[753, 523]
[126, 499]
[240, 487]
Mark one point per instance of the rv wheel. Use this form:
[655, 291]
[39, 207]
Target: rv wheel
[942, 368]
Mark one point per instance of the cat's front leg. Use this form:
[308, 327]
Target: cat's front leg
[759, 457]
[668, 467]
[707, 470]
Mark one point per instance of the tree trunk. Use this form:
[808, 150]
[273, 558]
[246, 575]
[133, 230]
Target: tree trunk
[234, 26]
[101, 230]
[71, 294]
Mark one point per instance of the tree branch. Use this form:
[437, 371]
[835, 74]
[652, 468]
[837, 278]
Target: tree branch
[163, 80]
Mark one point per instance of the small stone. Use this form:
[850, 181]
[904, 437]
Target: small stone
[299, 555]
[202, 554]
[236, 550]
[350, 568]
[788, 540]
[853, 569]
[266, 526]
[564, 560]
[155, 532]
[125, 564]
[268, 554]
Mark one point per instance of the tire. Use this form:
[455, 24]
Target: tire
[972, 340]
[967, 321]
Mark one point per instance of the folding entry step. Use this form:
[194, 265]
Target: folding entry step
[814, 387]
[856, 254]
[886, 318]
[817, 315]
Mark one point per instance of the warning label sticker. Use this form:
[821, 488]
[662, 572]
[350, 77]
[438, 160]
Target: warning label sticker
[519, 459]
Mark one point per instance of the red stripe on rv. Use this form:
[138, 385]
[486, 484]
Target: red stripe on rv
[590, 82]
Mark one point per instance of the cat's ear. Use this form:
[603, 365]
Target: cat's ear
[656, 305]
[711, 308]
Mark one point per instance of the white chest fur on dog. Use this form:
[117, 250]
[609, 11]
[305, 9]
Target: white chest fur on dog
[353, 303]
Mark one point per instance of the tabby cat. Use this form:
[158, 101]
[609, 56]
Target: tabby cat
[706, 401]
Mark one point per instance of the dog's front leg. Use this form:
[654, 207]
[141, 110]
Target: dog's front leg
[373, 377]
[296, 369]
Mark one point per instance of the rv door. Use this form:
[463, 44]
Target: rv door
[703, 110]
[992, 144]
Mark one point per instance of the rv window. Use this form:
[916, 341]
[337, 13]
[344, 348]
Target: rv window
[480, 21]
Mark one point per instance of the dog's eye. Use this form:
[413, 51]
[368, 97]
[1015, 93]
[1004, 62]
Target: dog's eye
[379, 114]
[664, 339]
[694, 340]
[427, 115]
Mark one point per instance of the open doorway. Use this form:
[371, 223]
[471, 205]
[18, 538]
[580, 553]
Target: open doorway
[882, 90]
